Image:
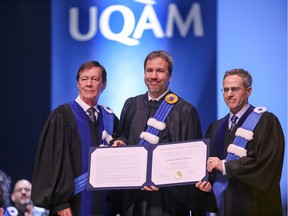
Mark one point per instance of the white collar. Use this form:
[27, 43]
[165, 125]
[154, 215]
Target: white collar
[85, 106]
[241, 112]
[158, 98]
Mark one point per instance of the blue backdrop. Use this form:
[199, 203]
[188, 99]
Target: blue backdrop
[120, 34]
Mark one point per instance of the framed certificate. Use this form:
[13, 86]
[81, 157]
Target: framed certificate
[135, 166]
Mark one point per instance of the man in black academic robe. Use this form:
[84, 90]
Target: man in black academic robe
[182, 124]
[63, 150]
[253, 188]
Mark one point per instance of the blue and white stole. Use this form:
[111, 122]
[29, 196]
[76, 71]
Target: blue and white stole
[10, 211]
[157, 122]
[236, 149]
[106, 121]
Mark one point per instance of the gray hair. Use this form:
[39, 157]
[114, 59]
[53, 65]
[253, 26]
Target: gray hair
[245, 75]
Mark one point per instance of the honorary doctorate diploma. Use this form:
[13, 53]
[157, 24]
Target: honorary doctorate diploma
[135, 166]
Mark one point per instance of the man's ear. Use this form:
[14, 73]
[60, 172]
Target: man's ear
[249, 91]
[104, 86]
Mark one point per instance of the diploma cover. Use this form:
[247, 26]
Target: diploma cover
[160, 165]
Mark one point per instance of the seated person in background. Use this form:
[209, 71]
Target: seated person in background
[21, 196]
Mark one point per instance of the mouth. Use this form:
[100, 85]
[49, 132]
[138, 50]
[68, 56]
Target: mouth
[154, 83]
[231, 103]
[89, 90]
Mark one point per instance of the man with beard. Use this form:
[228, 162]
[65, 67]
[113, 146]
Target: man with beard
[181, 123]
[21, 196]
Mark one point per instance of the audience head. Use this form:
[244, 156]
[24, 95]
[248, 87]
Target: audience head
[21, 194]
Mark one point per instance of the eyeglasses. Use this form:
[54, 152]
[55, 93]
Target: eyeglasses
[234, 90]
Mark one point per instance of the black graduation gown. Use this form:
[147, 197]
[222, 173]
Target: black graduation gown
[254, 188]
[58, 163]
[182, 124]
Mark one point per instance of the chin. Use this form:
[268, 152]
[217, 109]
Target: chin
[154, 90]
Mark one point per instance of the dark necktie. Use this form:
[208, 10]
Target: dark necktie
[91, 114]
[233, 123]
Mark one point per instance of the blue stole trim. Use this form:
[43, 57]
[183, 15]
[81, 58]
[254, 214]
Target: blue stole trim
[106, 121]
[86, 142]
[84, 132]
[222, 181]
[220, 137]
[80, 183]
[161, 115]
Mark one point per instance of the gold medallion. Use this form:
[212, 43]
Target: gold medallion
[171, 98]
[178, 175]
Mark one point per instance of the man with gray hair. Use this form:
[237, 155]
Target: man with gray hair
[247, 151]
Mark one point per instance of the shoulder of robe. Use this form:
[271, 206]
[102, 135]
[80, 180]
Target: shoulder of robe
[66, 112]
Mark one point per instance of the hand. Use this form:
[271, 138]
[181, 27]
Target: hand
[152, 188]
[65, 212]
[1, 211]
[214, 163]
[118, 143]
[204, 186]
[29, 210]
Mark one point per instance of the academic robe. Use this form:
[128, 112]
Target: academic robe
[182, 124]
[62, 156]
[254, 179]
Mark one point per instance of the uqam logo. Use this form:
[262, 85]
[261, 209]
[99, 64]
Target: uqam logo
[132, 29]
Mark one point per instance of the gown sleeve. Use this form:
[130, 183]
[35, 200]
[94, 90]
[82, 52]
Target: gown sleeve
[191, 123]
[185, 125]
[53, 176]
[126, 114]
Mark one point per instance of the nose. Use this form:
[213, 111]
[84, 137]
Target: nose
[230, 92]
[154, 75]
[89, 82]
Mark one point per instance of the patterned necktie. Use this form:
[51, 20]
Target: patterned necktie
[91, 114]
[233, 123]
